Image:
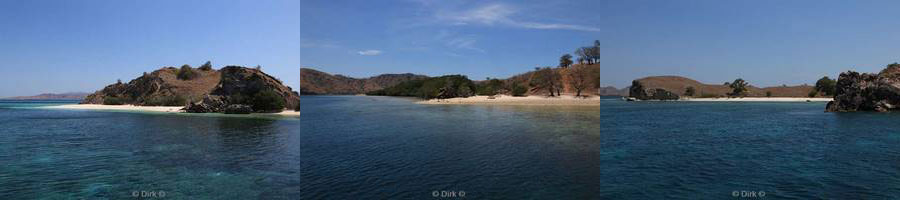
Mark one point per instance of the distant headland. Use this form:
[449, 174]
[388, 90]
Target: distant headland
[52, 96]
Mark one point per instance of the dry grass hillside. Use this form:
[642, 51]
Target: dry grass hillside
[679, 85]
[592, 72]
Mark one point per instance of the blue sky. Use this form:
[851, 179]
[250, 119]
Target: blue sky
[81, 46]
[63, 46]
[765, 42]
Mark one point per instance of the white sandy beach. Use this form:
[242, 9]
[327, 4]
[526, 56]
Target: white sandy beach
[760, 99]
[511, 100]
[166, 109]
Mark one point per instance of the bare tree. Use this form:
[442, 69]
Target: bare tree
[545, 79]
[582, 77]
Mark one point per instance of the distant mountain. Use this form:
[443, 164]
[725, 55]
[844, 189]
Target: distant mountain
[612, 91]
[53, 96]
[313, 82]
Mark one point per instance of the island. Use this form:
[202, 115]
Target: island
[229, 90]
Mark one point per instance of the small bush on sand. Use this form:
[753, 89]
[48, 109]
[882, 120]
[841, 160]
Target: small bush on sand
[268, 101]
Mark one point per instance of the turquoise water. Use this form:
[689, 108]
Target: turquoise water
[347, 147]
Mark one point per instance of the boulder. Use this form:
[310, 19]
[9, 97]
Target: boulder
[238, 109]
[209, 104]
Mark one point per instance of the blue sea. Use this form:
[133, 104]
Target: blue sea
[351, 147]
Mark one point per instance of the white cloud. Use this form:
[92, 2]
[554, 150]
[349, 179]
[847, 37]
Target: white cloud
[369, 52]
[501, 14]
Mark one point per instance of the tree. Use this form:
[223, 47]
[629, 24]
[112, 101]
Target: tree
[738, 87]
[580, 78]
[768, 93]
[826, 86]
[546, 79]
[585, 54]
[812, 93]
[565, 60]
[206, 66]
[689, 91]
[595, 52]
[186, 73]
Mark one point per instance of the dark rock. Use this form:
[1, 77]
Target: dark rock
[638, 91]
[238, 109]
[209, 104]
[867, 92]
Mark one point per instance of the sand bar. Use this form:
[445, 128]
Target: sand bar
[511, 100]
[166, 109]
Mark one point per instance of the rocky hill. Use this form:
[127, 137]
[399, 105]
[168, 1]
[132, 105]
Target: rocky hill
[313, 82]
[673, 87]
[206, 91]
[856, 91]
[53, 96]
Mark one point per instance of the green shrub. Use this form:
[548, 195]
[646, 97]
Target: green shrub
[267, 101]
[176, 100]
[812, 93]
[438, 87]
[206, 66]
[518, 90]
[113, 101]
[298, 106]
[768, 93]
[186, 73]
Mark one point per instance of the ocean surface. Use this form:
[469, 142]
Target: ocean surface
[349, 147]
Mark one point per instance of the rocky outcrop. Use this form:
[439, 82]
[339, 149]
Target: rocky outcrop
[313, 82]
[240, 85]
[641, 92]
[867, 92]
[238, 109]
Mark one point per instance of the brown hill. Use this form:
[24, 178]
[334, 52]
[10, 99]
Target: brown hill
[678, 85]
[163, 88]
[313, 82]
[159, 84]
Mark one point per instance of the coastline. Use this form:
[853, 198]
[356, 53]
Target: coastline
[759, 99]
[163, 109]
[565, 100]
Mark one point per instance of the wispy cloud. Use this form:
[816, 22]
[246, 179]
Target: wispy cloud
[305, 43]
[369, 52]
[501, 14]
[455, 41]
